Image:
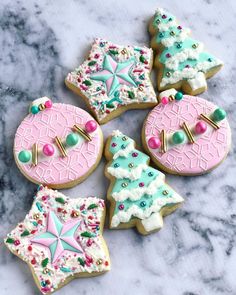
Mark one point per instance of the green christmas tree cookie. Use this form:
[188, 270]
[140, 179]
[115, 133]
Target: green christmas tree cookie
[181, 60]
[138, 193]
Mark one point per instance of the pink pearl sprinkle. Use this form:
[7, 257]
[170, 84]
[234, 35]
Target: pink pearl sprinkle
[17, 243]
[113, 144]
[179, 27]
[135, 155]
[187, 66]
[90, 126]
[48, 104]
[154, 142]
[141, 184]
[200, 127]
[168, 55]
[164, 16]
[164, 100]
[121, 207]
[48, 150]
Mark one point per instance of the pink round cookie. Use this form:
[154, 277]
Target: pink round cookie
[54, 146]
[194, 134]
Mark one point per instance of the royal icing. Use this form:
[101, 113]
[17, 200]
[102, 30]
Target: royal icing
[42, 128]
[141, 194]
[182, 57]
[60, 238]
[208, 149]
[114, 76]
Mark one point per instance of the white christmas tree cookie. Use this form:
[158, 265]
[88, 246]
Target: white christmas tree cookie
[182, 61]
[138, 193]
[61, 239]
[113, 79]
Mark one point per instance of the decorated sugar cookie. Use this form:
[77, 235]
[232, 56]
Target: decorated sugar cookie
[186, 135]
[57, 144]
[181, 61]
[61, 239]
[114, 79]
[138, 193]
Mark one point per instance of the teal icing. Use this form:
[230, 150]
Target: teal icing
[147, 176]
[146, 198]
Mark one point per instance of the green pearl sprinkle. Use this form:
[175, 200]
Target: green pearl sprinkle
[24, 156]
[34, 109]
[178, 137]
[219, 115]
[72, 139]
[179, 95]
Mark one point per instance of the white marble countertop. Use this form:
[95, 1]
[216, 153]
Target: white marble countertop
[40, 41]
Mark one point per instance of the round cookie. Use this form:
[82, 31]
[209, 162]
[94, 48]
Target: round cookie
[186, 135]
[57, 145]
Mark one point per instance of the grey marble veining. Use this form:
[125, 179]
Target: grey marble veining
[40, 41]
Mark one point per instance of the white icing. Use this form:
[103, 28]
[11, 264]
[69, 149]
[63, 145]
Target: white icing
[124, 216]
[189, 73]
[133, 174]
[173, 62]
[125, 152]
[199, 81]
[164, 27]
[168, 42]
[38, 101]
[116, 133]
[167, 93]
[136, 193]
[154, 222]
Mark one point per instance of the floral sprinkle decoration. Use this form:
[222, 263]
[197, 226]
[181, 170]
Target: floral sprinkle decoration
[68, 240]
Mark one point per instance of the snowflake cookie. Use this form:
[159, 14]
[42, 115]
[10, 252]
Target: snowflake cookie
[114, 79]
[181, 60]
[186, 135]
[57, 144]
[61, 239]
[138, 193]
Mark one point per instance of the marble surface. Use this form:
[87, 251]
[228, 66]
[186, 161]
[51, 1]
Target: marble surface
[40, 42]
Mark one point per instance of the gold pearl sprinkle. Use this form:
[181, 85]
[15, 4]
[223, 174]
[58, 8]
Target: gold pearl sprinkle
[165, 193]
[167, 74]
[124, 51]
[140, 88]
[195, 46]
[36, 216]
[42, 107]
[171, 97]
[124, 184]
[75, 214]
[131, 165]
[82, 132]
[172, 33]
[99, 261]
[124, 138]
[46, 270]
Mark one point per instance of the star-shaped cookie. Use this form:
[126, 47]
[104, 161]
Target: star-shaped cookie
[61, 239]
[114, 79]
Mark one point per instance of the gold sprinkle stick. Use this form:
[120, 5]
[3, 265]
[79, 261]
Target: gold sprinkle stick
[209, 121]
[60, 146]
[35, 154]
[82, 132]
[163, 141]
[188, 132]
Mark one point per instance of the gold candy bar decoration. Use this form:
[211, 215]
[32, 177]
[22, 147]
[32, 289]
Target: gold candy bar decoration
[35, 154]
[60, 146]
[209, 121]
[82, 132]
[42, 107]
[188, 132]
[163, 142]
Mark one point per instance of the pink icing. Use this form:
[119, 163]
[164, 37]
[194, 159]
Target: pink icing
[207, 151]
[42, 129]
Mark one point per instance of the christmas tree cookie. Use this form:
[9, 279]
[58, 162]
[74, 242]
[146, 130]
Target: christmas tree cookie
[138, 193]
[114, 79]
[61, 239]
[181, 61]
[57, 144]
[186, 135]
